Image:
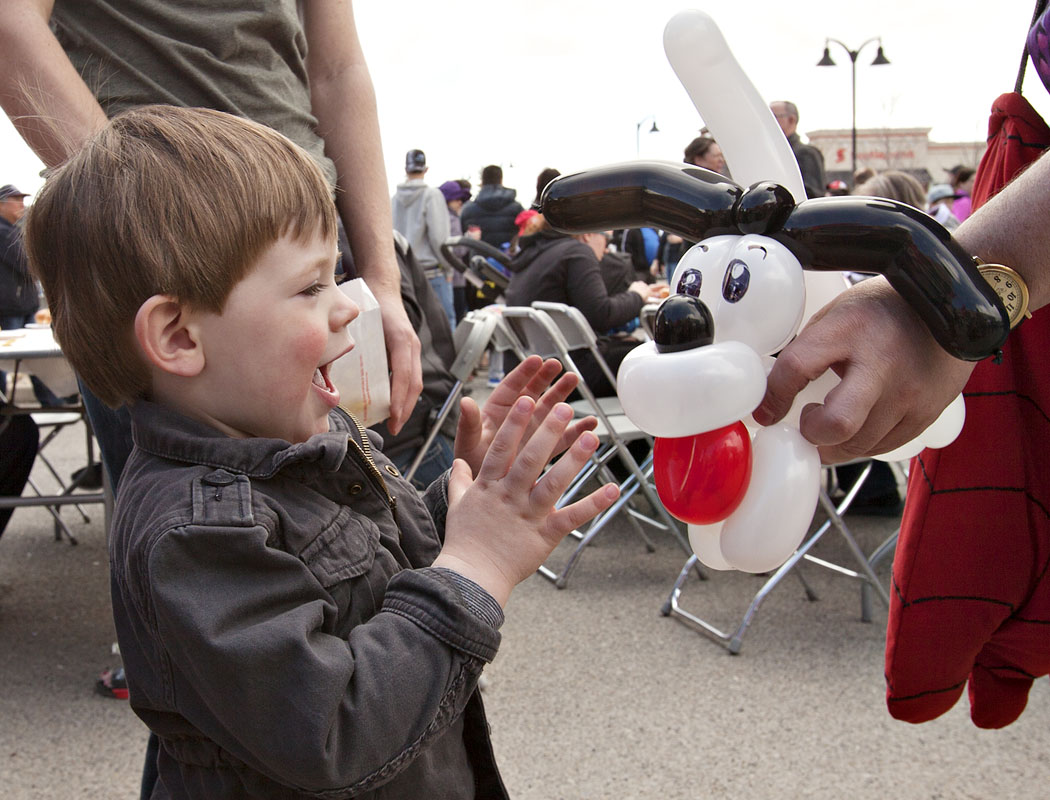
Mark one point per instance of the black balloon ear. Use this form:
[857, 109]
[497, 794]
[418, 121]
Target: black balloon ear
[917, 255]
[680, 198]
[763, 208]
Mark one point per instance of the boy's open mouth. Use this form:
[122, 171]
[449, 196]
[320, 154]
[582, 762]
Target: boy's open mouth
[322, 380]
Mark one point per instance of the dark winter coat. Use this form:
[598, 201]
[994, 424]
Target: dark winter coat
[494, 211]
[18, 296]
[559, 269]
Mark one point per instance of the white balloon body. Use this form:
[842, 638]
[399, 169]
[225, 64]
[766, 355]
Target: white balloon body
[706, 541]
[680, 394]
[775, 513]
[941, 433]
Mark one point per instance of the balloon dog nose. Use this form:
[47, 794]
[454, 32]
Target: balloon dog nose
[682, 322]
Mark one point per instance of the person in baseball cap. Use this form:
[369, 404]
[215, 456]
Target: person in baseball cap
[9, 191]
[415, 161]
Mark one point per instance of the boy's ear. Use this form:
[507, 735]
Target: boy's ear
[168, 336]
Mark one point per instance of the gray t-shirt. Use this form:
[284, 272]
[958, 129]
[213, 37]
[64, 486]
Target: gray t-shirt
[246, 57]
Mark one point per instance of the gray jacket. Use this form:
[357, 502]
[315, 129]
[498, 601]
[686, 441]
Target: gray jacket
[421, 215]
[279, 626]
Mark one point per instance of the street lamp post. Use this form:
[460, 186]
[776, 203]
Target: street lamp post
[638, 133]
[880, 60]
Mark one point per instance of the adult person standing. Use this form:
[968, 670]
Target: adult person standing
[294, 65]
[961, 180]
[70, 64]
[705, 152]
[810, 159]
[420, 215]
[494, 209]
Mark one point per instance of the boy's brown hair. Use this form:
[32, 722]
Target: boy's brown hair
[163, 200]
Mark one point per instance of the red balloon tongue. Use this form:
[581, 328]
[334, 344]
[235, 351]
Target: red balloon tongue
[702, 479]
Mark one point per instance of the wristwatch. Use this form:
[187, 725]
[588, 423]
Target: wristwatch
[1010, 287]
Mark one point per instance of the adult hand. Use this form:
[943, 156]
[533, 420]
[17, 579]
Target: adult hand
[406, 369]
[640, 288]
[895, 378]
[531, 378]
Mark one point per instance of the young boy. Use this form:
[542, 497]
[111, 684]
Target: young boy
[294, 619]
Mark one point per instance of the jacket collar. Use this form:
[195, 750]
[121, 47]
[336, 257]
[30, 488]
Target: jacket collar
[165, 433]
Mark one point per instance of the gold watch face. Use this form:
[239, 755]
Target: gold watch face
[1010, 287]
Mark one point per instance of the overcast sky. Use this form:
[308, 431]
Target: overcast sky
[564, 83]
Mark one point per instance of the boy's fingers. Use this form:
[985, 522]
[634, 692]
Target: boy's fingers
[536, 453]
[516, 380]
[572, 433]
[542, 379]
[571, 517]
[468, 430]
[558, 477]
[550, 398]
[504, 446]
[459, 480]
[551, 395]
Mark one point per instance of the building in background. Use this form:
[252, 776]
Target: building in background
[906, 149]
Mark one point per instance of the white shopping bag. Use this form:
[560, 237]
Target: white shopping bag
[361, 376]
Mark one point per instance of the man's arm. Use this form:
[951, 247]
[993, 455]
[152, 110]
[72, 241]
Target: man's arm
[41, 92]
[895, 378]
[345, 106]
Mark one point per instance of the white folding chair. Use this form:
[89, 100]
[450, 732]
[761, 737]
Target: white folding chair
[579, 335]
[647, 318]
[540, 335]
[863, 571]
[471, 338]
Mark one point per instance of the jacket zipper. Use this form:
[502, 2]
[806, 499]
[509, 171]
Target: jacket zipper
[365, 449]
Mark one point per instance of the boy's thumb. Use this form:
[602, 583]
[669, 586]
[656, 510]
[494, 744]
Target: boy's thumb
[459, 480]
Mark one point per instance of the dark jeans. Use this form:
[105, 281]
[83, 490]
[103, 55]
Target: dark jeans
[438, 459]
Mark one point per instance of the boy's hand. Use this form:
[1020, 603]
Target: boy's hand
[531, 378]
[503, 525]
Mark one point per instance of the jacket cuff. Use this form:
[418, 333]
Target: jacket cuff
[435, 498]
[482, 604]
[435, 601]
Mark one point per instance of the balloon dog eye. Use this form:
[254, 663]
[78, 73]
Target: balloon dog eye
[690, 282]
[736, 281]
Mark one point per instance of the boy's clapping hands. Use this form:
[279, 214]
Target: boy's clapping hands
[501, 522]
[531, 378]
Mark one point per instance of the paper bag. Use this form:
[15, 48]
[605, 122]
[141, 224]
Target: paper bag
[361, 376]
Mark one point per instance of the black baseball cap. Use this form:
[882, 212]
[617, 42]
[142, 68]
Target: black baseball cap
[415, 161]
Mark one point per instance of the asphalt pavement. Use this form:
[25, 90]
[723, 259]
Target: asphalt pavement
[594, 694]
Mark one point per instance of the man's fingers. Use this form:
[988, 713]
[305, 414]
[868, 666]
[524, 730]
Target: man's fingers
[791, 374]
[568, 519]
[504, 446]
[406, 374]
